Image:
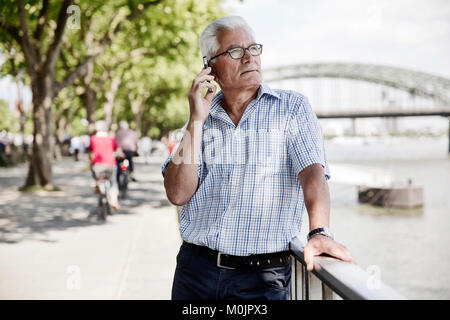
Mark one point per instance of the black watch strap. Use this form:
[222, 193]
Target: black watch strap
[321, 230]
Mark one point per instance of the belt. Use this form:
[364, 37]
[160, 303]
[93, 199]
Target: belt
[252, 262]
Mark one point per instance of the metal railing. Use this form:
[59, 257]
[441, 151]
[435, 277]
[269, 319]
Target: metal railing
[332, 277]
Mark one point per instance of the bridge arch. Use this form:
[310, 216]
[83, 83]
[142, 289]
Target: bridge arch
[415, 82]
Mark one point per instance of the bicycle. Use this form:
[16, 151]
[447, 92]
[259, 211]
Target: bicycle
[123, 177]
[104, 188]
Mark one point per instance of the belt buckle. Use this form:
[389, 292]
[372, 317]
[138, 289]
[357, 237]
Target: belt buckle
[221, 266]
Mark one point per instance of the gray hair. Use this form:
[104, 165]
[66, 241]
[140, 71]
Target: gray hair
[124, 125]
[101, 126]
[208, 39]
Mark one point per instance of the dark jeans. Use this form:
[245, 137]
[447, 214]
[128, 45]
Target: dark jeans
[197, 278]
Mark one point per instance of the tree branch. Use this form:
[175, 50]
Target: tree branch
[41, 23]
[55, 47]
[64, 60]
[28, 49]
[78, 71]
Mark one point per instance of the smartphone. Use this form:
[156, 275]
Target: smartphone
[205, 65]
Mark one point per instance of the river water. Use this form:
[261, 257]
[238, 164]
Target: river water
[407, 248]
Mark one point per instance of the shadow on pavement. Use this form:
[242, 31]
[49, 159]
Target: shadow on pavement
[29, 216]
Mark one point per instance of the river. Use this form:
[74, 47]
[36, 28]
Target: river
[406, 248]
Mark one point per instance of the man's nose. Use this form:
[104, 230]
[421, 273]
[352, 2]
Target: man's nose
[247, 56]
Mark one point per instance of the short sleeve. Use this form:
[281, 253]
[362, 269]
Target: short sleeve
[201, 167]
[305, 139]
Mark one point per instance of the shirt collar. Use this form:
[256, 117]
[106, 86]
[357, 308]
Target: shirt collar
[216, 103]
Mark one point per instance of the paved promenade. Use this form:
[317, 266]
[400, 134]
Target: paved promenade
[51, 247]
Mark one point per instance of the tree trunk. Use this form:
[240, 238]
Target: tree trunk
[89, 99]
[110, 96]
[60, 130]
[40, 169]
[145, 127]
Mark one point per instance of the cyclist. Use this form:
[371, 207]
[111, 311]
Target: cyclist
[127, 140]
[101, 155]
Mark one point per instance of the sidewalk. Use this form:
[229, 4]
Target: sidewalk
[51, 249]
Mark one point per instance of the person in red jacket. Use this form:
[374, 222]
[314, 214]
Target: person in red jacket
[103, 161]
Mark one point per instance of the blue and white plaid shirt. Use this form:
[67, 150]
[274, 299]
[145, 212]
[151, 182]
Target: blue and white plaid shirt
[250, 200]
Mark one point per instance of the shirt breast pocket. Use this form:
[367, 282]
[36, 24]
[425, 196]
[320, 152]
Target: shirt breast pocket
[272, 153]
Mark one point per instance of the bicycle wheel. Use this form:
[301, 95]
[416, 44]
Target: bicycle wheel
[123, 184]
[101, 206]
[104, 212]
[103, 201]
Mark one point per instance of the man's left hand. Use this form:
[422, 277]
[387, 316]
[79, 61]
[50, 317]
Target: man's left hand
[319, 244]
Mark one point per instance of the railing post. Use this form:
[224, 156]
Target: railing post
[305, 283]
[449, 135]
[298, 281]
[293, 293]
[327, 293]
[311, 287]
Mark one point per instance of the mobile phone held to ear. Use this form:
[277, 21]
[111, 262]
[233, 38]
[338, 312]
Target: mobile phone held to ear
[205, 65]
[205, 62]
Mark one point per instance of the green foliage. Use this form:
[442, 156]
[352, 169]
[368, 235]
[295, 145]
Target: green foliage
[163, 78]
[156, 56]
[7, 120]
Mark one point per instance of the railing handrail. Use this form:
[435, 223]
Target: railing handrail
[347, 279]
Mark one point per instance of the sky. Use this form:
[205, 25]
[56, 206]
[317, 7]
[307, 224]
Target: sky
[414, 34]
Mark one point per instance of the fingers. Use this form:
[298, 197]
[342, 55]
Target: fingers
[308, 254]
[199, 82]
[338, 251]
[317, 246]
[203, 78]
[204, 73]
[210, 92]
[210, 86]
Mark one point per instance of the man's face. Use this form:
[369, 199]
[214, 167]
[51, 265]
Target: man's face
[241, 73]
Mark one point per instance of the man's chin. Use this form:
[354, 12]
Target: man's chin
[252, 76]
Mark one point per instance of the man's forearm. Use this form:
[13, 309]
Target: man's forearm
[316, 195]
[181, 177]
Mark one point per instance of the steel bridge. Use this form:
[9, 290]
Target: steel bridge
[415, 83]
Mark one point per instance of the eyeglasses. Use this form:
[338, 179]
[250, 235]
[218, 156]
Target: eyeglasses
[238, 52]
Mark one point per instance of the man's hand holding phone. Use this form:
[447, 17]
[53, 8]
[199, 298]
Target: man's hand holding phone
[201, 105]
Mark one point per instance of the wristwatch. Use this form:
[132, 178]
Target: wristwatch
[321, 230]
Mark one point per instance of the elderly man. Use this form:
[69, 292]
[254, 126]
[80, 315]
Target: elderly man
[250, 159]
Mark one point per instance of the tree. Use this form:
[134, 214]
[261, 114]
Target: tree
[7, 121]
[14, 66]
[38, 28]
[127, 75]
[154, 88]
[57, 57]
